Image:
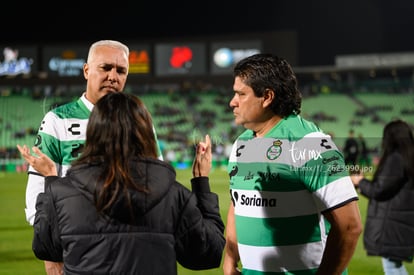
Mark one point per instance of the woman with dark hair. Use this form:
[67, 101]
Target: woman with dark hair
[119, 209]
[389, 228]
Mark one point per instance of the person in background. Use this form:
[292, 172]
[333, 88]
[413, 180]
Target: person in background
[351, 150]
[364, 157]
[61, 135]
[294, 209]
[389, 226]
[119, 209]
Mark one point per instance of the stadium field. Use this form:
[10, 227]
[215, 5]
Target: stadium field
[16, 256]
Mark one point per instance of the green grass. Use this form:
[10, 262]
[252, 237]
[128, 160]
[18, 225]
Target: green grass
[16, 256]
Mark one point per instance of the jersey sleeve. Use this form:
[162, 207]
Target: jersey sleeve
[35, 181]
[325, 173]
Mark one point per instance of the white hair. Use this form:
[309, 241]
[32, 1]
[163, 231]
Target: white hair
[108, 43]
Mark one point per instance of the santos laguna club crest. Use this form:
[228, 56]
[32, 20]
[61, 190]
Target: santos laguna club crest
[275, 150]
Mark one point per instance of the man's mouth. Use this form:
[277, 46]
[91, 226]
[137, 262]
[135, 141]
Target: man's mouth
[112, 88]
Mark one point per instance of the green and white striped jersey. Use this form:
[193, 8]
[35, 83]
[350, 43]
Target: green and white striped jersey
[62, 133]
[61, 136]
[280, 184]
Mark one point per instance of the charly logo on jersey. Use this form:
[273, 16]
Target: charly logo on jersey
[74, 129]
[275, 150]
[325, 144]
[238, 151]
[38, 141]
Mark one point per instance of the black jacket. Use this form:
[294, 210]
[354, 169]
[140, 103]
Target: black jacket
[171, 224]
[389, 228]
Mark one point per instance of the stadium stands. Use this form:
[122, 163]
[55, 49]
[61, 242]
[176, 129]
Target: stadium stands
[181, 119]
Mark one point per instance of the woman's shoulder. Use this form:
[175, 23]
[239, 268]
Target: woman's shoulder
[395, 156]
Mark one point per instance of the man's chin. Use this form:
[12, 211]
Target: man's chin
[238, 122]
[108, 90]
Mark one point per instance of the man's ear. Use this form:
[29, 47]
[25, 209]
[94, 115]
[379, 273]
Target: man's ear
[85, 70]
[268, 97]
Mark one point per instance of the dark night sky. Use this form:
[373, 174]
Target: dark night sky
[325, 28]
